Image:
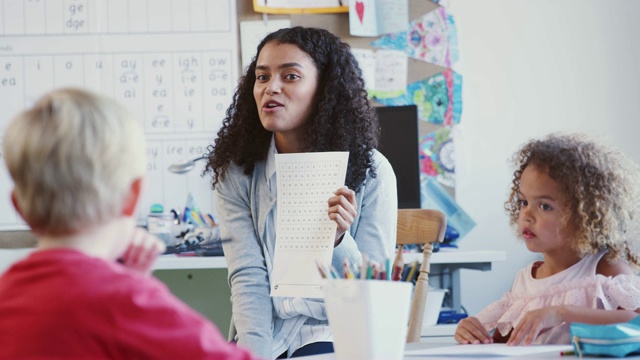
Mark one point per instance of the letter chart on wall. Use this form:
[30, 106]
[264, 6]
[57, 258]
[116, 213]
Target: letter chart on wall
[172, 63]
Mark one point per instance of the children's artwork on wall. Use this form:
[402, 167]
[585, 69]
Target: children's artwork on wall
[367, 61]
[444, 3]
[384, 71]
[438, 97]
[425, 39]
[300, 6]
[452, 35]
[436, 156]
[377, 17]
[391, 73]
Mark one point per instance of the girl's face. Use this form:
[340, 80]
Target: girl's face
[285, 88]
[540, 220]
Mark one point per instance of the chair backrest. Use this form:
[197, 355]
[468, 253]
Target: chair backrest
[420, 226]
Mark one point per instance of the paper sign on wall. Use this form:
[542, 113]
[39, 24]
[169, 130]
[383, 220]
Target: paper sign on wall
[252, 33]
[384, 71]
[367, 62]
[377, 17]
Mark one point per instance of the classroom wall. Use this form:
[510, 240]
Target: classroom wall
[531, 67]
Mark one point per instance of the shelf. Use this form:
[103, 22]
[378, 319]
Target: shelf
[164, 262]
[444, 256]
[457, 256]
[173, 262]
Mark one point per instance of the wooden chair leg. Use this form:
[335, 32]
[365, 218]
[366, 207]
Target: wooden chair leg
[420, 296]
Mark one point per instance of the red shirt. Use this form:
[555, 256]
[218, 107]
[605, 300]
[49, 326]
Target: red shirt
[64, 304]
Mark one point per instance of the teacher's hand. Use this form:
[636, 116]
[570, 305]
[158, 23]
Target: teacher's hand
[342, 210]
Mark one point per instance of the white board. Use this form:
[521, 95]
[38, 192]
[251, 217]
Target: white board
[173, 63]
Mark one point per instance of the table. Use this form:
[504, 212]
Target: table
[448, 262]
[164, 262]
[452, 261]
[415, 346]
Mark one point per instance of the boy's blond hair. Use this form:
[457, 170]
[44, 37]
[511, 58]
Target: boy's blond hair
[73, 157]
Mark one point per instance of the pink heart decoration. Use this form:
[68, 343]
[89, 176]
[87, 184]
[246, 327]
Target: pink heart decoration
[360, 10]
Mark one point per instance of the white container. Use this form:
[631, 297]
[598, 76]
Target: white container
[433, 306]
[368, 318]
[161, 225]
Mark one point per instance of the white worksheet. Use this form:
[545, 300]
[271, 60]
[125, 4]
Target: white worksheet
[488, 350]
[304, 233]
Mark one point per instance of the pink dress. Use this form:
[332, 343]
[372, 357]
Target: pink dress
[578, 285]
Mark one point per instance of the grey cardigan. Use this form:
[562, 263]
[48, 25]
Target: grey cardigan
[243, 204]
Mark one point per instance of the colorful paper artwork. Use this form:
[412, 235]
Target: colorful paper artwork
[444, 3]
[452, 35]
[436, 156]
[438, 98]
[377, 17]
[426, 39]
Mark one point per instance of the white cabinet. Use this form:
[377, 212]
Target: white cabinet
[447, 264]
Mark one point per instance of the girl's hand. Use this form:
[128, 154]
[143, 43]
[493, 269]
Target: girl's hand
[471, 331]
[142, 251]
[533, 323]
[342, 210]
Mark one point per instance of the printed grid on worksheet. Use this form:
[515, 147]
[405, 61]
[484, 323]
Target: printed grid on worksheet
[303, 193]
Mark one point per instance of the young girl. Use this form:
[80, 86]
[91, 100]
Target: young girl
[577, 203]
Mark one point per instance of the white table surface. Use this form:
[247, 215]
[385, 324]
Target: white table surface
[164, 262]
[414, 346]
[173, 262]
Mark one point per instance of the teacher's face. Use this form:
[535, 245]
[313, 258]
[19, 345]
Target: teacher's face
[285, 88]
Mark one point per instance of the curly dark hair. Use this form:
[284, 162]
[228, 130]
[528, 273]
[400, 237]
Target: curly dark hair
[341, 119]
[599, 187]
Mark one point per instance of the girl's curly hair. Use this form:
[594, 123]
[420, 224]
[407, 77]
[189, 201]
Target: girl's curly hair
[599, 187]
[341, 119]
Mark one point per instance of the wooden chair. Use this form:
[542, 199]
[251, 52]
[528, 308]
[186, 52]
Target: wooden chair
[420, 226]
